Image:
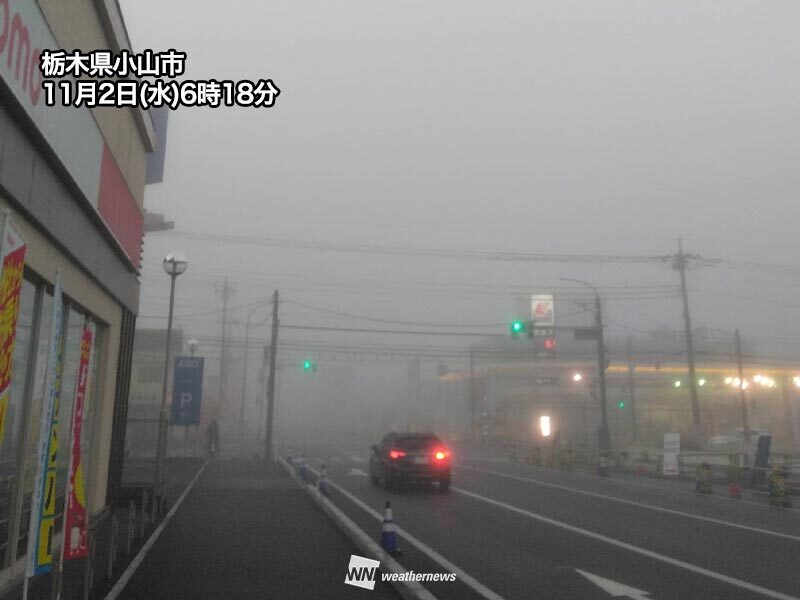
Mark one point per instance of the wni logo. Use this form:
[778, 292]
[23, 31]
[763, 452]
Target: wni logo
[362, 572]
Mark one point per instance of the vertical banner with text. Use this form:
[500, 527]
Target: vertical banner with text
[12, 264]
[75, 543]
[43, 501]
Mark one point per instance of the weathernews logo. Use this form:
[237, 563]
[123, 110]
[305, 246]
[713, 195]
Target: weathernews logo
[363, 572]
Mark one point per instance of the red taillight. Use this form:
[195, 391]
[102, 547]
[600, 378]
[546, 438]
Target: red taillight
[395, 454]
[441, 454]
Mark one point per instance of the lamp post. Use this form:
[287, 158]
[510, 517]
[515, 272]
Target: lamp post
[192, 344]
[174, 264]
[604, 435]
[244, 372]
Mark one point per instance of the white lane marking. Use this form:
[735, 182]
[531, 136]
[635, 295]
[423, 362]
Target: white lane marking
[637, 549]
[126, 576]
[630, 482]
[337, 460]
[363, 541]
[670, 511]
[357, 473]
[614, 588]
[358, 459]
[462, 575]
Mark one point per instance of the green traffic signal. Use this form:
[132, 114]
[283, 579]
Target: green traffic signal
[621, 404]
[517, 327]
[309, 365]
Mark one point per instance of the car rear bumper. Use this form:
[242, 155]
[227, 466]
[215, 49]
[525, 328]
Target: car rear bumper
[429, 473]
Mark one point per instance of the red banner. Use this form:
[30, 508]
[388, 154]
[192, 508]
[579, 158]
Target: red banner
[76, 528]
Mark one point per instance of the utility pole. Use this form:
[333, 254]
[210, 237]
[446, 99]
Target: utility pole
[742, 397]
[262, 392]
[605, 435]
[244, 368]
[226, 291]
[273, 353]
[631, 391]
[472, 402]
[680, 264]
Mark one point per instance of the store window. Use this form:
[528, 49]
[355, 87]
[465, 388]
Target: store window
[12, 436]
[70, 360]
[19, 372]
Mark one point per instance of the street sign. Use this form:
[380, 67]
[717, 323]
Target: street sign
[586, 333]
[187, 390]
[671, 454]
[542, 311]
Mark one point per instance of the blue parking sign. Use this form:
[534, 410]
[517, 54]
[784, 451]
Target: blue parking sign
[187, 390]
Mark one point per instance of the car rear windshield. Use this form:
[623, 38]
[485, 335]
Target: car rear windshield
[418, 442]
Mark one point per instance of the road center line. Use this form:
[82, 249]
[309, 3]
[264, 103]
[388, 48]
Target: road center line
[462, 575]
[630, 547]
[670, 511]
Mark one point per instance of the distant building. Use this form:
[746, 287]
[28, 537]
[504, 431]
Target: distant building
[147, 379]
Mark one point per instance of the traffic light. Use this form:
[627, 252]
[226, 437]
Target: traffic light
[309, 365]
[621, 404]
[549, 344]
[517, 327]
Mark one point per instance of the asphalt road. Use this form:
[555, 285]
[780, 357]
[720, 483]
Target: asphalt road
[526, 532]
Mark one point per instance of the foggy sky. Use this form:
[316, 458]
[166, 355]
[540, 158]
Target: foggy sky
[560, 127]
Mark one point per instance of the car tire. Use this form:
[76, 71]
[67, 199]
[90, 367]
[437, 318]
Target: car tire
[444, 485]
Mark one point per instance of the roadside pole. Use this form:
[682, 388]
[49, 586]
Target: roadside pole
[631, 391]
[273, 352]
[680, 264]
[742, 396]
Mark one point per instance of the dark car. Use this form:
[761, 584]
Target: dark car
[410, 458]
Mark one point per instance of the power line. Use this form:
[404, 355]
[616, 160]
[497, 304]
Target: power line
[421, 252]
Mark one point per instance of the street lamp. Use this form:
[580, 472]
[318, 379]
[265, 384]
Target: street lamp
[174, 264]
[604, 435]
[244, 372]
[192, 344]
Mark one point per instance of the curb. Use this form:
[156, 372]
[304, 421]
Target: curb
[409, 590]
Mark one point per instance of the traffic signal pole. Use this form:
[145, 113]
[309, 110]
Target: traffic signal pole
[273, 353]
[604, 437]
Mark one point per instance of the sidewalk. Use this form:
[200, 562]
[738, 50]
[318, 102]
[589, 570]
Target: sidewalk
[179, 472]
[247, 531]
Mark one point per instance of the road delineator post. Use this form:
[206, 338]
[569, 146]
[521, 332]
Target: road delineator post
[303, 471]
[703, 480]
[322, 482]
[388, 534]
[602, 464]
[779, 487]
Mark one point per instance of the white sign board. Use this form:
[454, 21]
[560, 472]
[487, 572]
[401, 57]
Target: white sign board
[672, 449]
[542, 310]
